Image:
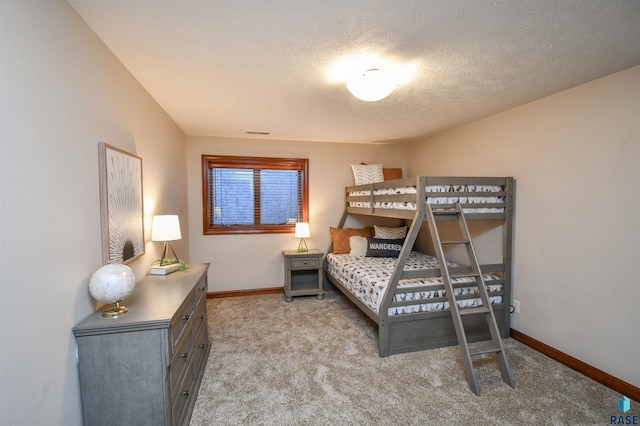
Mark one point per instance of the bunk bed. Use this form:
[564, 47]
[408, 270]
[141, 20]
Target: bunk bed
[404, 295]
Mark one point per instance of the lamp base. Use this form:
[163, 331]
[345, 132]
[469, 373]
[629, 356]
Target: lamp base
[115, 311]
[167, 244]
[302, 247]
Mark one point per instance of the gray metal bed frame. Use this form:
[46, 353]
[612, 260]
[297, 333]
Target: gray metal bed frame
[428, 330]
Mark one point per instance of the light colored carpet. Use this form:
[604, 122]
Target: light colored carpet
[315, 362]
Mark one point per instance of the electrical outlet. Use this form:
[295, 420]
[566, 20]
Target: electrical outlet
[516, 306]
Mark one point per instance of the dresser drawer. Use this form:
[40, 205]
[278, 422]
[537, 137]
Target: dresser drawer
[305, 263]
[200, 316]
[181, 360]
[180, 322]
[201, 348]
[183, 396]
[201, 289]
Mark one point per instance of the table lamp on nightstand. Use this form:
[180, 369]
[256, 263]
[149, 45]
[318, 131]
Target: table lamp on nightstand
[302, 232]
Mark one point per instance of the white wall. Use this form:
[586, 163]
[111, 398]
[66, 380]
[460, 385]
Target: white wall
[62, 92]
[576, 157]
[242, 262]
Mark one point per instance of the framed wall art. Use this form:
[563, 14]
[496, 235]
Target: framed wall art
[121, 210]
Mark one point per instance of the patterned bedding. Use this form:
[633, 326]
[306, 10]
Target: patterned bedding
[367, 278]
[451, 195]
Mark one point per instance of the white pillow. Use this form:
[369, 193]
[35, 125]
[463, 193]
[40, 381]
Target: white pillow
[369, 173]
[358, 246]
[390, 233]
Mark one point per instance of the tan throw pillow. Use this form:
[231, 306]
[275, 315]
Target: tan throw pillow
[391, 173]
[340, 238]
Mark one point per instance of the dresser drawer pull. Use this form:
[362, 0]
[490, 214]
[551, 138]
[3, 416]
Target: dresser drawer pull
[202, 317]
[185, 355]
[203, 346]
[186, 317]
[185, 394]
[203, 288]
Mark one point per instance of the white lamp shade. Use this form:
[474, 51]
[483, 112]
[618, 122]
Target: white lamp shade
[165, 228]
[372, 85]
[302, 230]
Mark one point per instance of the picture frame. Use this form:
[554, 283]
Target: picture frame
[121, 205]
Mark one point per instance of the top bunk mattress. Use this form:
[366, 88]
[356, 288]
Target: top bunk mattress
[489, 195]
[480, 197]
[367, 279]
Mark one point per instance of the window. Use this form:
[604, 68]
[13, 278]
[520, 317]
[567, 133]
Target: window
[253, 194]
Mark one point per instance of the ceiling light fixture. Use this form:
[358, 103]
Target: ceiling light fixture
[372, 85]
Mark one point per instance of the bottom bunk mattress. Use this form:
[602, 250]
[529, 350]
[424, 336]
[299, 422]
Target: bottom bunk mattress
[368, 277]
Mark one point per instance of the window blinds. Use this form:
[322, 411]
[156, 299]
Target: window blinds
[254, 196]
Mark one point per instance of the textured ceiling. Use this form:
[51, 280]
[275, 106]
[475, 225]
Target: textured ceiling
[225, 68]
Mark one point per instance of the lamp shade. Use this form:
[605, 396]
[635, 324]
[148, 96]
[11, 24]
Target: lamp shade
[165, 228]
[302, 230]
[372, 85]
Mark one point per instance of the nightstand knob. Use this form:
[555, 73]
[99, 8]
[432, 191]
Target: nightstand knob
[186, 317]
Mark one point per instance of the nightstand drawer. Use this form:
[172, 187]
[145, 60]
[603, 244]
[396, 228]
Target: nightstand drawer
[305, 263]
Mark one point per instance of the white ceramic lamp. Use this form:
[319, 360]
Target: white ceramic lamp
[111, 284]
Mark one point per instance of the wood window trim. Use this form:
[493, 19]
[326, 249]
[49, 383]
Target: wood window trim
[272, 163]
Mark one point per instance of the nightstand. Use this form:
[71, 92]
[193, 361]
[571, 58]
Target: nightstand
[303, 274]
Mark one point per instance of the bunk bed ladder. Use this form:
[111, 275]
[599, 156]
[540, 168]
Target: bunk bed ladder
[435, 213]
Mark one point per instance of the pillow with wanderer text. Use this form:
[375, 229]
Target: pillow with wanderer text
[378, 247]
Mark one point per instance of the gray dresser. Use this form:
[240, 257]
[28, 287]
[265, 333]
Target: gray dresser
[145, 367]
